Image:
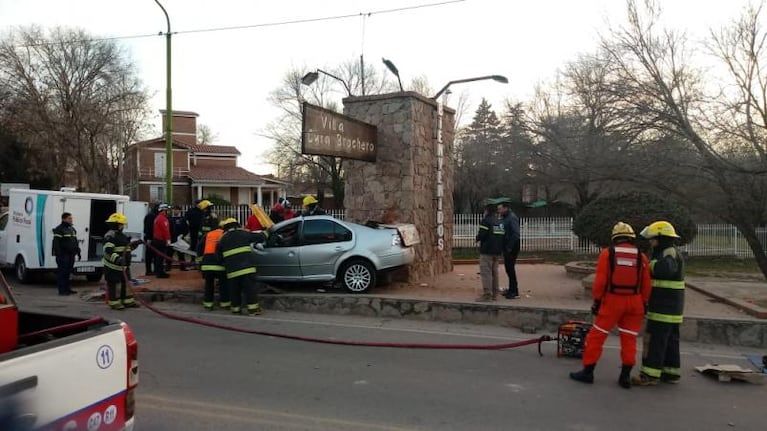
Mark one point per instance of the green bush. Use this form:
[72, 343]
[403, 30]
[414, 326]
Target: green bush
[596, 220]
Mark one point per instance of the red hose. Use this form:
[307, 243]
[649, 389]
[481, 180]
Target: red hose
[499, 346]
[62, 328]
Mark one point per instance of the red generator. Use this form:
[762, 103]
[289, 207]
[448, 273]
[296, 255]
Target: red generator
[571, 338]
[9, 318]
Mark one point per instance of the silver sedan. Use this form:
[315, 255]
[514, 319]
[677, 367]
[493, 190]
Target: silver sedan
[325, 249]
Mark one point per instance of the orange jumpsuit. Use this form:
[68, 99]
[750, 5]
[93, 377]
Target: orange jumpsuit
[623, 288]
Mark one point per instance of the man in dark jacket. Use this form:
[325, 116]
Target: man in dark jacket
[237, 257]
[490, 236]
[148, 228]
[65, 248]
[511, 246]
[178, 227]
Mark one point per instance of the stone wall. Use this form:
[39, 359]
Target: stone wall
[401, 186]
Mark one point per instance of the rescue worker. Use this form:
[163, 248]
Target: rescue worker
[209, 222]
[161, 240]
[213, 270]
[276, 213]
[311, 207]
[491, 236]
[194, 218]
[65, 248]
[149, 255]
[178, 228]
[237, 257]
[287, 212]
[660, 350]
[621, 289]
[116, 260]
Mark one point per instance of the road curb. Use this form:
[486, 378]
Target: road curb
[731, 332]
[747, 307]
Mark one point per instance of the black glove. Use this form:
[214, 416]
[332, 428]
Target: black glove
[120, 261]
[79, 258]
[595, 307]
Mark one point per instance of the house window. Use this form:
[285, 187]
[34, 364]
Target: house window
[159, 165]
[156, 193]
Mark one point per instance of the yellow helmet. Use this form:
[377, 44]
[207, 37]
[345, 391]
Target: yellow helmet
[118, 218]
[659, 228]
[308, 200]
[204, 204]
[623, 229]
[230, 220]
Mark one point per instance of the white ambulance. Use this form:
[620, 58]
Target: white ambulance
[26, 230]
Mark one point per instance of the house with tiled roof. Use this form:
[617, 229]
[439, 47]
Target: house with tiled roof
[199, 171]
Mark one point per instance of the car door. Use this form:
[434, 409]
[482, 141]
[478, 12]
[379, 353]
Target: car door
[323, 242]
[279, 258]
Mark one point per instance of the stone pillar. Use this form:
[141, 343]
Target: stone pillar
[402, 185]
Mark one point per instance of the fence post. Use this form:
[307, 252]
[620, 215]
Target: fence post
[735, 239]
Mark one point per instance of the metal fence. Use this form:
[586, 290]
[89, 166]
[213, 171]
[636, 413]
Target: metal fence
[556, 234]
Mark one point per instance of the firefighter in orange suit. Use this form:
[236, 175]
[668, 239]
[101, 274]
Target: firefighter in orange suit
[621, 290]
[213, 269]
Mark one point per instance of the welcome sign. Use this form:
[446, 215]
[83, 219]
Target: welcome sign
[328, 133]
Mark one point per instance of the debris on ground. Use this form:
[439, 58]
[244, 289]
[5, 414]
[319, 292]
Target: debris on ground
[729, 372]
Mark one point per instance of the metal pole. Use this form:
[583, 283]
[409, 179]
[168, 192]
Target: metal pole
[168, 116]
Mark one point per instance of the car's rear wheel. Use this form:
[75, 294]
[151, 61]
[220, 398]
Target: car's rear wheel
[358, 276]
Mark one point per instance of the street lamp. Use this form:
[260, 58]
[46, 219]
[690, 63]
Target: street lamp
[310, 77]
[168, 117]
[393, 69]
[498, 78]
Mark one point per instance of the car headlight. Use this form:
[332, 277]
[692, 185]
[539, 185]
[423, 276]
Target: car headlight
[396, 240]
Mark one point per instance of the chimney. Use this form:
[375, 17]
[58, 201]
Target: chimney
[184, 126]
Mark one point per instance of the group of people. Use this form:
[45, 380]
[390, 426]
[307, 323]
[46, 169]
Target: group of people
[628, 288]
[498, 239]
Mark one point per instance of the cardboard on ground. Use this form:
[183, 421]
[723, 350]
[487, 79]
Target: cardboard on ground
[728, 372]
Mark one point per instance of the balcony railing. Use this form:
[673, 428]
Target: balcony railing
[151, 172]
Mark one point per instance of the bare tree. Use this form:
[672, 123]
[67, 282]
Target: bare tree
[722, 135]
[206, 135]
[67, 91]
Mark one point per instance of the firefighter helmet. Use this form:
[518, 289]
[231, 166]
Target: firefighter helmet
[118, 218]
[229, 221]
[309, 199]
[204, 204]
[624, 230]
[659, 228]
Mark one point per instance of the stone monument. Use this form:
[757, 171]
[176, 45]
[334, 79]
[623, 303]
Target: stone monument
[412, 179]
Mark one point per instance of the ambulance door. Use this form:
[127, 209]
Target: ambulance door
[81, 218]
[135, 212]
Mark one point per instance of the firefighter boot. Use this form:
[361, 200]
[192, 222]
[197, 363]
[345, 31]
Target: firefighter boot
[625, 378]
[586, 375]
[644, 380]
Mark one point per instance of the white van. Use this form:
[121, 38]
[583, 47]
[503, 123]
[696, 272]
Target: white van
[26, 230]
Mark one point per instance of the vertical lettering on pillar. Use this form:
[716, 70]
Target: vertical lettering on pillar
[440, 185]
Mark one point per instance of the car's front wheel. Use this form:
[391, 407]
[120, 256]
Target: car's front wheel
[358, 276]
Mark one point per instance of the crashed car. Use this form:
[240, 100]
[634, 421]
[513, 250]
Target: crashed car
[324, 249]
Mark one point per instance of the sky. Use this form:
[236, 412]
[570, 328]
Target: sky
[226, 76]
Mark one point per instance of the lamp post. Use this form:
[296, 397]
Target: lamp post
[498, 78]
[393, 69]
[440, 151]
[310, 77]
[168, 116]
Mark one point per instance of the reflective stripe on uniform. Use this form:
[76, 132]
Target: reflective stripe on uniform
[652, 372]
[235, 274]
[627, 331]
[218, 268]
[119, 249]
[111, 265]
[129, 300]
[672, 371]
[629, 250]
[665, 318]
[238, 250]
[668, 284]
[600, 329]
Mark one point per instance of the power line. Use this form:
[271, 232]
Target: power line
[259, 25]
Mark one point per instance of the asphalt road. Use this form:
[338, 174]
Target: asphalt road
[200, 378]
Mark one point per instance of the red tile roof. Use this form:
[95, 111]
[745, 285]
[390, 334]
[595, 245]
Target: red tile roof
[196, 148]
[225, 175]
